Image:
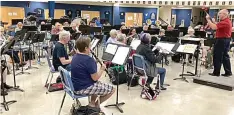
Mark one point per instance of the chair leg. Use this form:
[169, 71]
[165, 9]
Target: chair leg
[62, 103]
[130, 82]
[48, 87]
[47, 78]
[159, 87]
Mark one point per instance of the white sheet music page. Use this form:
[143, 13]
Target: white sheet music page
[165, 47]
[135, 43]
[190, 48]
[94, 44]
[111, 48]
[181, 48]
[121, 55]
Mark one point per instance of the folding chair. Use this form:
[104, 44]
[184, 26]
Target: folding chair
[68, 88]
[138, 62]
[52, 71]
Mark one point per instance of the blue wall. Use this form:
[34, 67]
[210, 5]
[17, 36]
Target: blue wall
[118, 10]
[75, 7]
[33, 5]
[182, 14]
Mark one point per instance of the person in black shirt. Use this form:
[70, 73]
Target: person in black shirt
[60, 56]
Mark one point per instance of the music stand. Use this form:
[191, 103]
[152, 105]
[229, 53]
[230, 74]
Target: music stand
[107, 28]
[135, 43]
[184, 30]
[4, 49]
[85, 29]
[46, 27]
[54, 38]
[139, 29]
[109, 53]
[200, 34]
[125, 31]
[67, 28]
[120, 58]
[31, 31]
[15, 21]
[95, 29]
[185, 49]
[75, 36]
[117, 27]
[39, 37]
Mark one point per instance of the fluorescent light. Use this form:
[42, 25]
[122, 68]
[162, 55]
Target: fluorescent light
[232, 12]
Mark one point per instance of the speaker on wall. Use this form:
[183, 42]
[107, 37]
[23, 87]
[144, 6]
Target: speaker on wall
[122, 15]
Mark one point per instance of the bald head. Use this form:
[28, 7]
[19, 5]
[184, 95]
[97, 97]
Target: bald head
[223, 14]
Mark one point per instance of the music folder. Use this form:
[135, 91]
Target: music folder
[187, 48]
[121, 55]
[94, 43]
[165, 47]
[109, 53]
[135, 43]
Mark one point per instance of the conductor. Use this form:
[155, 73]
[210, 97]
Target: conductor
[222, 44]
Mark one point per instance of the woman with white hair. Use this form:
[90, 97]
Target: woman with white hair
[144, 50]
[191, 32]
[113, 37]
[121, 39]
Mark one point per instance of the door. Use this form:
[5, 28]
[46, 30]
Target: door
[58, 13]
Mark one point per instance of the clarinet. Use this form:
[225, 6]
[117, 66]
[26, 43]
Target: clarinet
[100, 62]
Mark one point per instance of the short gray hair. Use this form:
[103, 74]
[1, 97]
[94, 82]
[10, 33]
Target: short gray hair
[121, 37]
[162, 30]
[63, 34]
[113, 32]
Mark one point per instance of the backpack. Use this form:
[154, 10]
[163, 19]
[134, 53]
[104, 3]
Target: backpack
[148, 93]
[117, 72]
[85, 110]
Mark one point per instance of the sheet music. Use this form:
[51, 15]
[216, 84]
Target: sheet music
[191, 39]
[135, 43]
[111, 48]
[94, 44]
[121, 55]
[187, 48]
[165, 47]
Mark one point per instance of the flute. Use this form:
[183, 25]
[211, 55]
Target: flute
[100, 62]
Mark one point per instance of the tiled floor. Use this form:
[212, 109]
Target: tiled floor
[181, 98]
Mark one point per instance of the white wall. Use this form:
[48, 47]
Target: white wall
[165, 13]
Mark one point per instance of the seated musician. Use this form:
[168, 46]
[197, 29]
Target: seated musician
[84, 74]
[190, 34]
[132, 35]
[74, 29]
[66, 24]
[145, 28]
[170, 28]
[145, 50]
[112, 38]
[60, 56]
[58, 27]
[19, 26]
[121, 39]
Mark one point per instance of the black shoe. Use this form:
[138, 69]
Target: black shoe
[7, 86]
[162, 88]
[4, 93]
[212, 74]
[226, 75]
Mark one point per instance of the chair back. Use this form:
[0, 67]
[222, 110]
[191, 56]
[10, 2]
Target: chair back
[139, 62]
[66, 80]
[49, 62]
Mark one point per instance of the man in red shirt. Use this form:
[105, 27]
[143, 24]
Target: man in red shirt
[222, 44]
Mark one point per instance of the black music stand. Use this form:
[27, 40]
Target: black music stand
[31, 31]
[195, 41]
[46, 27]
[67, 28]
[139, 29]
[5, 103]
[16, 21]
[85, 29]
[54, 38]
[21, 37]
[95, 29]
[182, 49]
[120, 58]
[38, 37]
[107, 28]
[75, 36]
[200, 34]
[125, 31]
[184, 30]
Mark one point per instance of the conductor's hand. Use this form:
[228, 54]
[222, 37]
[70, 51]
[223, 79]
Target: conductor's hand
[207, 17]
[103, 67]
[213, 20]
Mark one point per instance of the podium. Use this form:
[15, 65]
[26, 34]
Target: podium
[118, 55]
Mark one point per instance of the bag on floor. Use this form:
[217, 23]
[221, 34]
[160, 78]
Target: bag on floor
[118, 72]
[55, 87]
[85, 110]
[176, 58]
[134, 81]
[148, 93]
